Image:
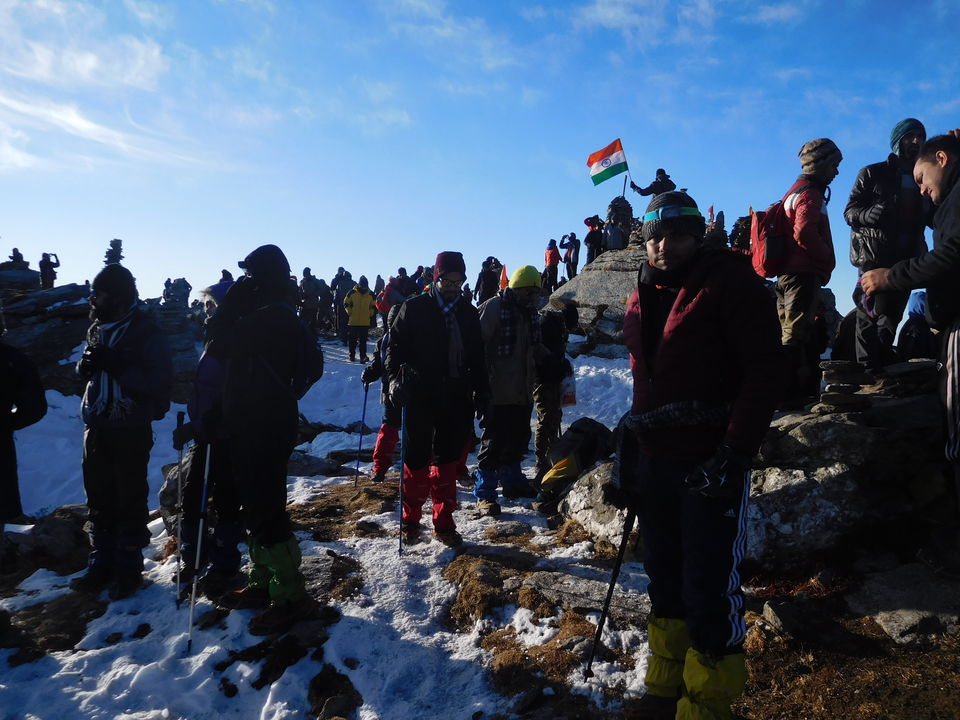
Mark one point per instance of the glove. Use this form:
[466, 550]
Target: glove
[182, 435]
[721, 475]
[872, 215]
[97, 358]
[369, 375]
[634, 186]
[403, 387]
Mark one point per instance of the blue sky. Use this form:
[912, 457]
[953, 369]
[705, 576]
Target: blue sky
[372, 134]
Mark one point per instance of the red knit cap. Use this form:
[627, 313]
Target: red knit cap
[449, 261]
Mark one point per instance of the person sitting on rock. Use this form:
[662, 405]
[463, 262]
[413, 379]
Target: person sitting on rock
[707, 368]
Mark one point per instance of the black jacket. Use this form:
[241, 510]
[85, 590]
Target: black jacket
[418, 338]
[261, 352]
[938, 269]
[880, 245]
[488, 284]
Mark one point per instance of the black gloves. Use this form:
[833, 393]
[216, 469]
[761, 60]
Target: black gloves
[872, 215]
[371, 373]
[721, 475]
[634, 186]
[182, 435]
[403, 387]
[97, 358]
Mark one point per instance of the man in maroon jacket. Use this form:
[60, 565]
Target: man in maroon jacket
[707, 368]
[810, 262]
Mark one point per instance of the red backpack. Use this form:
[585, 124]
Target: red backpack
[771, 236]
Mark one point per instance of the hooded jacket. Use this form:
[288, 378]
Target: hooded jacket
[360, 305]
[720, 346]
[512, 377]
[891, 239]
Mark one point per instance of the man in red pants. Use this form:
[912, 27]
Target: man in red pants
[435, 367]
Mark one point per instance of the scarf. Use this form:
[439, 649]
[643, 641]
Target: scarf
[454, 338]
[110, 402]
[509, 308]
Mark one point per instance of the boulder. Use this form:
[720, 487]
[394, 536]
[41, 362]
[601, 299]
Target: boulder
[585, 595]
[587, 504]
[910, 603]
[600, 292]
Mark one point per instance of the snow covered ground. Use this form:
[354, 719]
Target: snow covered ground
[407, 660]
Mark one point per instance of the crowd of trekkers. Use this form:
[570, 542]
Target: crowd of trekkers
[714, 350]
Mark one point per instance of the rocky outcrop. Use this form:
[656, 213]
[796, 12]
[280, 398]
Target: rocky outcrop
[587, 504]
[600, 292]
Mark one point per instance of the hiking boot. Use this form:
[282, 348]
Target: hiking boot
[280, 618]
[450, 538]
[353, 358]
[379, 476]
[214, 584]
[126, 585]
[364, 359]
[488, 508]
[653, 707]
[524, 490]
[92, 581]
[246, 598]
[411, 534]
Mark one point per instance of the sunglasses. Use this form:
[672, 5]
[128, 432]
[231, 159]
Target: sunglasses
[449, 283]
[671, 211]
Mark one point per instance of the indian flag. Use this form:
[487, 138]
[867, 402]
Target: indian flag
[606, 163]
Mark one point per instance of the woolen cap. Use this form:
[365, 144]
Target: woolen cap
[675, 211]
[819, 155]
[903, 128]
[525, 276]
[267, 262]
[449, 261]
[117, 281]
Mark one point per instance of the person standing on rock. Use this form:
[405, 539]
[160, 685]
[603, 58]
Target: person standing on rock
[594, 238]
[435, 368]
[128, 369]
[512, 344]
[49, 262]
[810, 262]
[488, 281]
[571, 258]
[936, 173]
[887, 217]
[661, 184]
[260, 337]
[22, 403]
[551, 262]
[707, 369]
[310, 299]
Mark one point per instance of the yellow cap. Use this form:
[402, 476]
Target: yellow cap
[525, 276]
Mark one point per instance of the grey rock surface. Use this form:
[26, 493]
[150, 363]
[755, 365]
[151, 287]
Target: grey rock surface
[587, 504]
[910, 603]
[586, 595]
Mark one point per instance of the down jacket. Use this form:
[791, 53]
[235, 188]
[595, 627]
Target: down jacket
[880, 244]
[720, 346]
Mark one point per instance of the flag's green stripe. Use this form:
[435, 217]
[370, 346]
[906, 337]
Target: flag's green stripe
[609, 173]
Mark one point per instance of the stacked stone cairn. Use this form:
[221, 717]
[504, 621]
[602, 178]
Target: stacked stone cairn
[844, 380]
[915, 377]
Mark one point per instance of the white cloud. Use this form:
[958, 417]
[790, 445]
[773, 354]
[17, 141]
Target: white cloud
[773, 14]
[468, 41]
[531, 97]
[377, 91]
[380, 122]
[533, 13]
[12, 155]
[150, 14]
[251, 118]
[948, 107]
[641, 22]
[791, 74]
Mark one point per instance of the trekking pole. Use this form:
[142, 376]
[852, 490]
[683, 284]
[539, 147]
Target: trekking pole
[363, 418]
[180, 416]
[196, 562]
[403, 454]
[627, 527]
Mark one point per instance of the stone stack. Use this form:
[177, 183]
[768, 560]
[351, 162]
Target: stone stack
[914, 377]
[844, 380]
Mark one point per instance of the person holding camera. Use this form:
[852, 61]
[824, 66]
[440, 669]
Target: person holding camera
[129, 372]
[48, 264]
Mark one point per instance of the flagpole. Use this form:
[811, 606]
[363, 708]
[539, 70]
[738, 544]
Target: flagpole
[624, 193]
